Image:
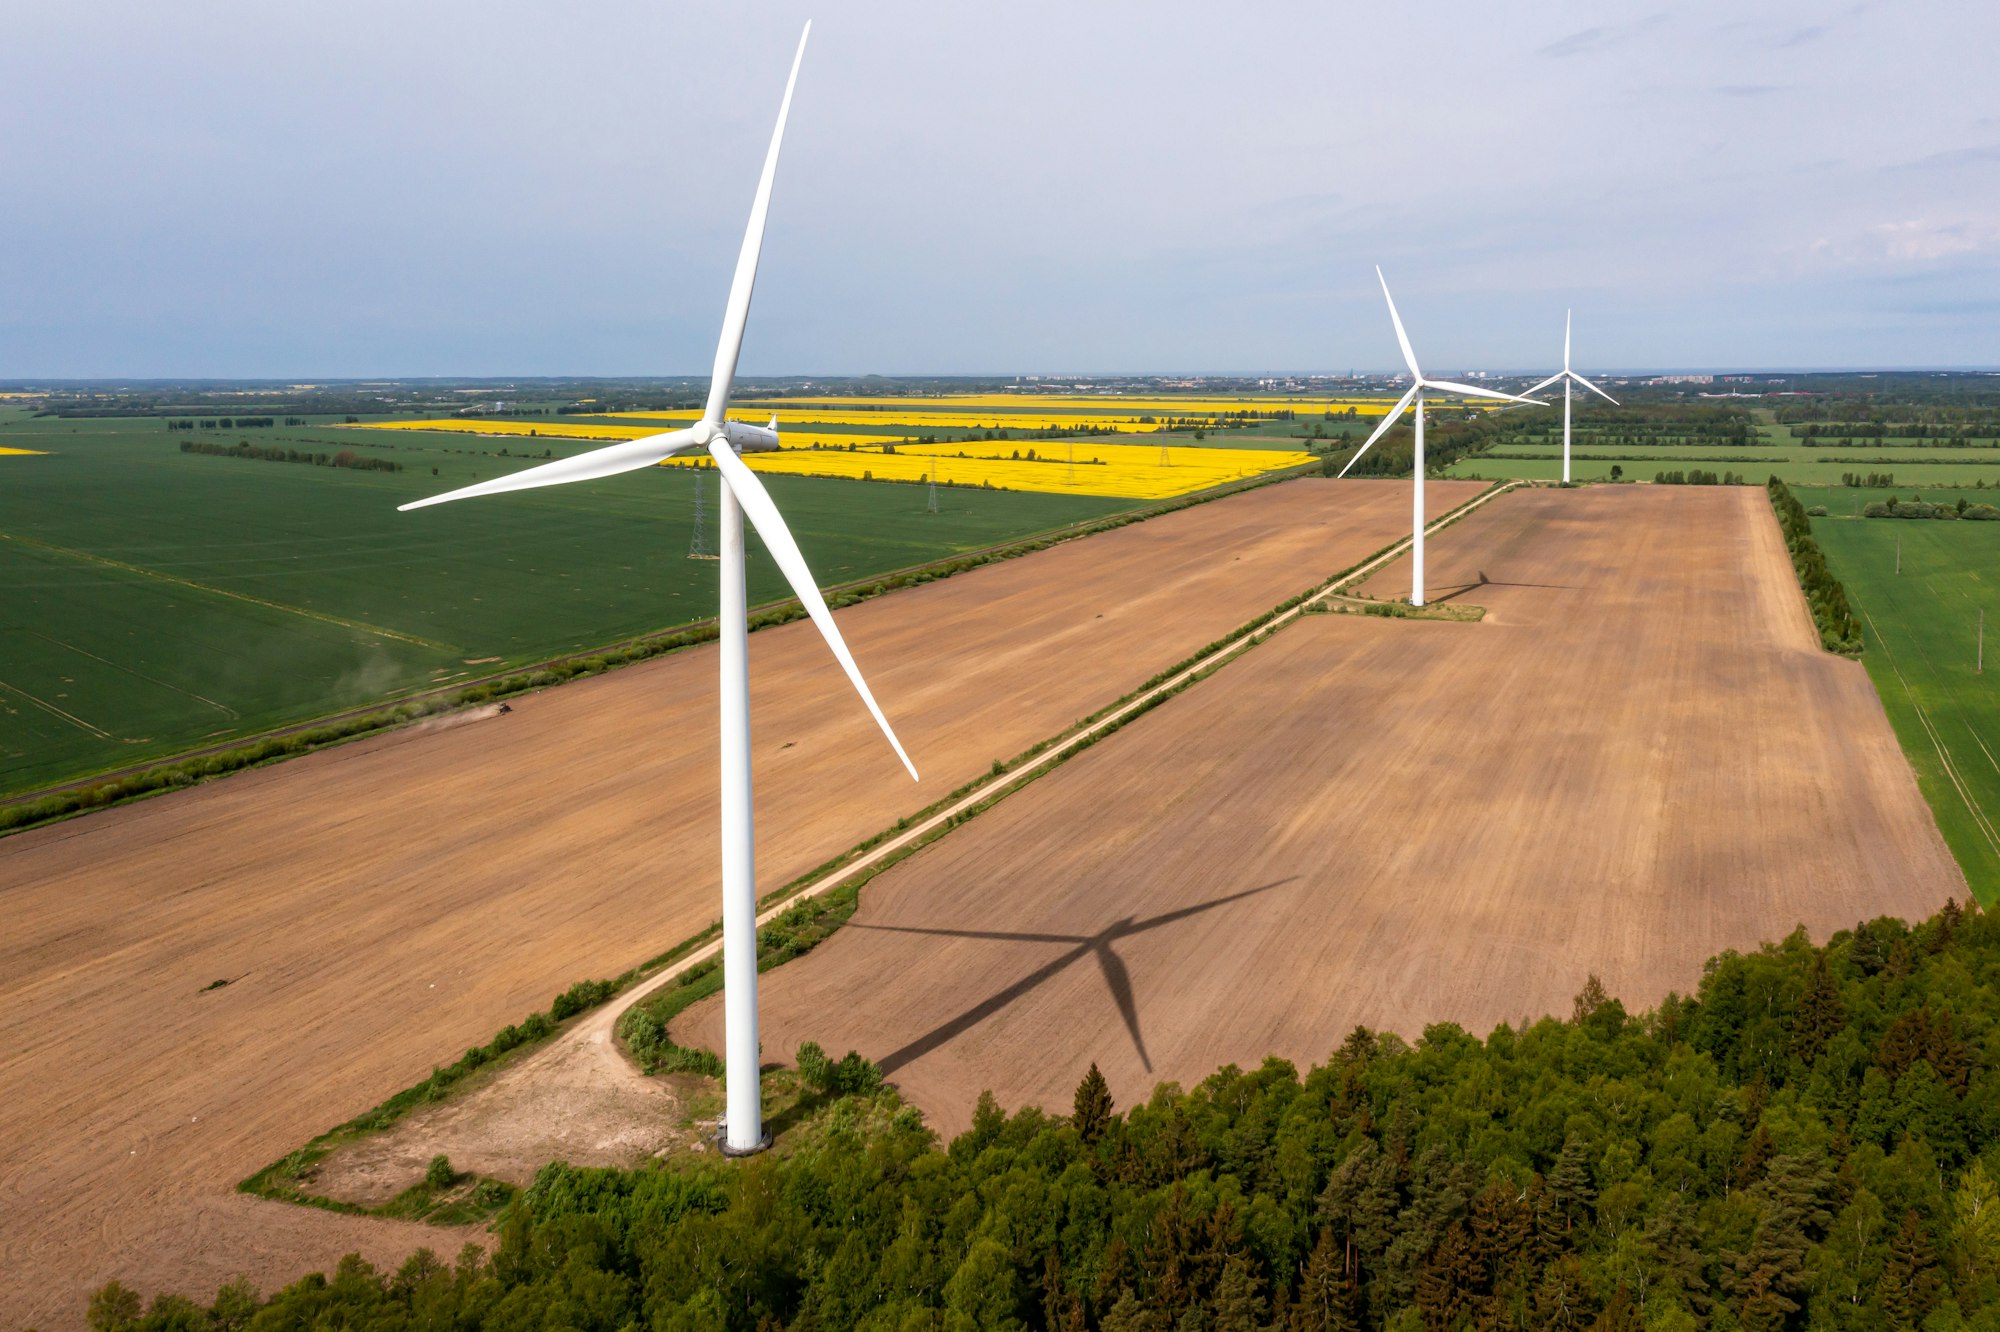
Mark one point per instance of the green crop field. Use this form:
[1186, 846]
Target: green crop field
[152, 601]
[1755, 463]
[1921, 627]
[1774, 452]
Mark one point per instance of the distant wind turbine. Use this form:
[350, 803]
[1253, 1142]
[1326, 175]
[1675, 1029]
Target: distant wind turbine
[1569, 377]
[1416, 396]
[724, 440]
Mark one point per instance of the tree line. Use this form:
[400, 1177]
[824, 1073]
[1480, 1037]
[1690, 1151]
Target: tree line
[230, 422]
[1841, 415]
[242, 449]
[1695, 476]
[1914, 507]
[1834, 617]
[1810, 1139]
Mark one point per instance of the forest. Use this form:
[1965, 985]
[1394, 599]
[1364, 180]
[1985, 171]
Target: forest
[1807, 1140]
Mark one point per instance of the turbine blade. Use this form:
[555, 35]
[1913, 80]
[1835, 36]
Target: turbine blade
[1467, 390]
[770, 525]
[1593, 388]
[1402, 338]
[1555, 378]
[628, 456]
[1566, 315]
[1388, 420]
[723, 377]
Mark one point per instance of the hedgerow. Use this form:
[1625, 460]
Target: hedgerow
[1838, 630]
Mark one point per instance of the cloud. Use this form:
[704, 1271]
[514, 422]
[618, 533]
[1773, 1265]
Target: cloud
[1749, 89]
[1950, 159]
[1799, 37]
[1599, 38]
[1916, 242]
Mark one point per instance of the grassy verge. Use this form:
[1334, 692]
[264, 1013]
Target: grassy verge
[1397, 610]
[289, 1178]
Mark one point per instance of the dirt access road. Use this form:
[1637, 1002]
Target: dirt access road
[1641, 757]
[381, 906]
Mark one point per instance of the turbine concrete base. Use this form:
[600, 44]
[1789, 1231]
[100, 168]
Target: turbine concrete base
[722, 1142]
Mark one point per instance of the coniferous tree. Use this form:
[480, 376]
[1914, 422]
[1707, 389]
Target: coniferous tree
[1866, 950]
[1328, 1299]
[1909, 1288]
[1675, 1241]
[1238, 1305]
[1620, 1315]
[1562, 1300]
[1756, 1154]
[1900, 963]
[1500, 1228]
[1093, 1105]
[1948, 1054]
[1129, 1315]
[1589, 1000]
[1570, 1186]
[1819, 1015]
[1444, 1289]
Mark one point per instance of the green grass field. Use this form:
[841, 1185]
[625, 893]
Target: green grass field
[152, 601]
[1775, 452]
[1921, 629]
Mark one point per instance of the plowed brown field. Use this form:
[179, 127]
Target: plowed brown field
[1640, 758]
[380, 906]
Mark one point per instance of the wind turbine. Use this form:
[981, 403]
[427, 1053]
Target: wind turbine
[724, 441]
[1569, 377]
[1416, 396]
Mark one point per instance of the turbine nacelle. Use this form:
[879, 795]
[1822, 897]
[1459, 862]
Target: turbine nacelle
[738, 435]
[746, 438]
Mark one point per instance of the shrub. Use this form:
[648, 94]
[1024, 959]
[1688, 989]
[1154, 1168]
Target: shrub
[1910, 508]
[815, 1069]
[584, 994]
[855, 1076]
[646, 1037]
[440, 1175]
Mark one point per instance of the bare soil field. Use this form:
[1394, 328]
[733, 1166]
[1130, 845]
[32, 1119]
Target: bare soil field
[1640, 758]
[380, 906]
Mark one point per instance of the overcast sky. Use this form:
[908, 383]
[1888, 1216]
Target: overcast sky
[494, 188]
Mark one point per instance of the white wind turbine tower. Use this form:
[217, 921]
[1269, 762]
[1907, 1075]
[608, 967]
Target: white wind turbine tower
[741, 492]
[1416, 396]
[1569, 377]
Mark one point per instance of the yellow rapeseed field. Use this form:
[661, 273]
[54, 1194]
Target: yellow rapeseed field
[561, 428]
[1125, 471]
[1033, 403]
[790, 418]
[554, 428]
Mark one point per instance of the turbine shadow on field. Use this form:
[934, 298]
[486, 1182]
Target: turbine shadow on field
[1484, 581]
[1116, 977]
